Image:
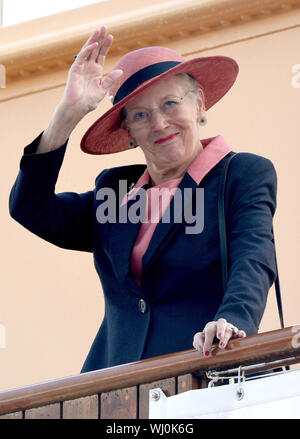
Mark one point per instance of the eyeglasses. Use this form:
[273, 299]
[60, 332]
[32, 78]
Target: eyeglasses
[170, 106]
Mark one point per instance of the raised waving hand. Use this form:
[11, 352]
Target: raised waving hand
[84, 90]
[85, 86]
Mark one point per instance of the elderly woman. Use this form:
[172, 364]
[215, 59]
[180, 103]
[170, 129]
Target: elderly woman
[162, 279]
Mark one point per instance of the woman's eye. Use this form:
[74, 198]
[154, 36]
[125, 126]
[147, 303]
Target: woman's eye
[141, 115]
[170, 103]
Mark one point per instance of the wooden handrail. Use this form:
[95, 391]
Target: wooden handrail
[282, 344]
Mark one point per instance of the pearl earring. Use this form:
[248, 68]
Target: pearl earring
[202, 120]
[132, 143]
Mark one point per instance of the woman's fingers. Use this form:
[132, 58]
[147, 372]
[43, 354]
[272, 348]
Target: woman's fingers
[210, 333]
[228, 334]
[85, 53]
[100, 49]
[96, 36]
[111, 78]
[222, 330]
[103, 49]
[198, 341]
[203, 340]
[104, 43]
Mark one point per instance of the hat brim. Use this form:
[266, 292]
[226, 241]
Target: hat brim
[215, 74]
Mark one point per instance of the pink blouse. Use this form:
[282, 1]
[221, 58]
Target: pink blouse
[214, 150]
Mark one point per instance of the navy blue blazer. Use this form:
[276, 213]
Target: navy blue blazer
[181, 284]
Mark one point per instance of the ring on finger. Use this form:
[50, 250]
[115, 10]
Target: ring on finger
[233, 329]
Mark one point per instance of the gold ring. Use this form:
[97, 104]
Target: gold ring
[234, 329]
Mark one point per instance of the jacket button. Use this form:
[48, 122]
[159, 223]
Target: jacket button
[142, 306]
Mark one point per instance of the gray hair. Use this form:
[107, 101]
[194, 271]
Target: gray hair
[194, 87]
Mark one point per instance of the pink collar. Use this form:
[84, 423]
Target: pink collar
[214, 150]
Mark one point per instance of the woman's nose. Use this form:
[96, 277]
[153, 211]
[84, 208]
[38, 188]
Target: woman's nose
[158, 120]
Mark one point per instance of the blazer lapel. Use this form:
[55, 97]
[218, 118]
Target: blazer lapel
[123, 237]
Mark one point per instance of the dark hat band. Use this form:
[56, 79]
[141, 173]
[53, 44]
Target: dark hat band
[141, 76]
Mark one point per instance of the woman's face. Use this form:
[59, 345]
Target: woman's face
[166, 128]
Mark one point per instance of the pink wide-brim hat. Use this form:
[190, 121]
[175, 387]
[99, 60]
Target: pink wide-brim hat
[144, 68]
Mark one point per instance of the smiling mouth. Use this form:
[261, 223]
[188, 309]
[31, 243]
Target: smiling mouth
[165, 139]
